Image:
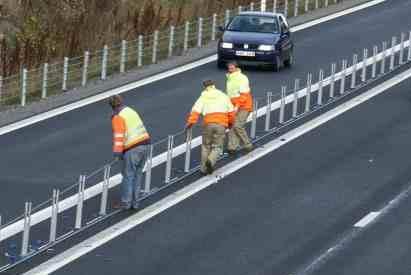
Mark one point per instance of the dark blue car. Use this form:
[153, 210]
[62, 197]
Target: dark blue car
[257, 38]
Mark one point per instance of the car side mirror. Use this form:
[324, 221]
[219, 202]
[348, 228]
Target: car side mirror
[221, 28]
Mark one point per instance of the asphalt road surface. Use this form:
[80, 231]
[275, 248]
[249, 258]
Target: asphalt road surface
[52, 154]
[280, 213]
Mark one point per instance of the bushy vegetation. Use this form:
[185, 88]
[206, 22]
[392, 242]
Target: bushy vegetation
[36, 31]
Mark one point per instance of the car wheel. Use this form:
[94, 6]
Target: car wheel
[278, 64]
[290, 61]
[221, 64]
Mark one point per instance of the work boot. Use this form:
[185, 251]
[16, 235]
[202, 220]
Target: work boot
[209, 167]
[249, 148]
[231, 152]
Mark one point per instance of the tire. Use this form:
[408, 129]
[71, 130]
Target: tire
[290, 61]
[278, 64]
[221, 64]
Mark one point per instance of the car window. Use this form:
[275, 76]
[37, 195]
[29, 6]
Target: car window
[254, 23]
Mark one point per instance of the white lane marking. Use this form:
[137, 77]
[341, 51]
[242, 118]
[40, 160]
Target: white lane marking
[64, 109]
[352, 235]
[367, 219]
[178, 150]
[114, 231]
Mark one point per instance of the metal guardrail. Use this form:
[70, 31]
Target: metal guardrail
[75, 209]
[50, 79]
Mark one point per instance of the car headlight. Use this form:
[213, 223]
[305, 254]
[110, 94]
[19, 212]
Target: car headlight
[226, 45]
[266, 48]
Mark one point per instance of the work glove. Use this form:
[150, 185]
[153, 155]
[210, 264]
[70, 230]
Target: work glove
[118, 156]
[188, 126]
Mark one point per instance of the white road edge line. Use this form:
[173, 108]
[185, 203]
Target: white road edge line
[118, 229]
[126, 88]
[367, 219]
[115, 180]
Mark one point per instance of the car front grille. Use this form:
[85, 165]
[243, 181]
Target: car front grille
[244, 46]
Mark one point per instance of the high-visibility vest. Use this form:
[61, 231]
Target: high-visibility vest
[214, 106]
[128, 130]
[238, 90]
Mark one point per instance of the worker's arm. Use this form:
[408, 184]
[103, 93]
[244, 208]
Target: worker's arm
[194, 116]
[119, 131]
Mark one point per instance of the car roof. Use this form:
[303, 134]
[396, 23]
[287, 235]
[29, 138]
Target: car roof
[260, 13]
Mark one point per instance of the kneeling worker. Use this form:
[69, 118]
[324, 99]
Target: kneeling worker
[218, 114]
[130, 144]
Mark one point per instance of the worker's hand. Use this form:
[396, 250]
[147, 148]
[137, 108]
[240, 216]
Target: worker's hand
[118, 156]
[188, 126]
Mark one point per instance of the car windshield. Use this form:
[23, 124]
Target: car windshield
[253, 23]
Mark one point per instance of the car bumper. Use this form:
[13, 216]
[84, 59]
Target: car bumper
[260, 58]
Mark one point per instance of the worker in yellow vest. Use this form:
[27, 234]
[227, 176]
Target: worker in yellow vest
[238, 90]
[130, 145]
[218, 115]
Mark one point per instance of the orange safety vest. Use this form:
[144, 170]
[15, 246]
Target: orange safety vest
[214, 106]
[128, 130]
[238, 90]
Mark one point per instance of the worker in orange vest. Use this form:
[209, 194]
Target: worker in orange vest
[218, 115]
[130, 145]
[238, 90]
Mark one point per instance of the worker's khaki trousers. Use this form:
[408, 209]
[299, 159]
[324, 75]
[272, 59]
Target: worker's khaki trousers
[238, 133]
[213, 142]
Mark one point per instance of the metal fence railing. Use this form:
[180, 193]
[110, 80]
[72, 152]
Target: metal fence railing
[177, 156]
[50, 79]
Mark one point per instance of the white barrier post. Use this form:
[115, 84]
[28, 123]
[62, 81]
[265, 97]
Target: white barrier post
[123, 56]
[85, 68]
[354, 71]
[187, 160]
[171, 41]
[274, 6]
[169, 158]
[200, 33]
[332, 83]
[364, 65]
[306, 6]
[402, 48]
[286, 8]
[80, 202]
[54, 215]
[296, 7]
[326, 3]
[149, 166]
[254, 120]
[409, 47]
[104, 192]
[282, 104]
[374, 61]
[23, 87]
[295, 101]
[214, 27]
[384, 55]
[227, 18]
[268, 112]
[320, 87]
[140, 49]
[344, 74]
[26, 230]
[263, 5]
[65, 74]
[155, 48]
[308, 93]
[104, 63]
[45, 80]
[186, 35]
[392, 52]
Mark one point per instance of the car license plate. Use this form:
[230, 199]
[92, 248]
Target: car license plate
[245, 53]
